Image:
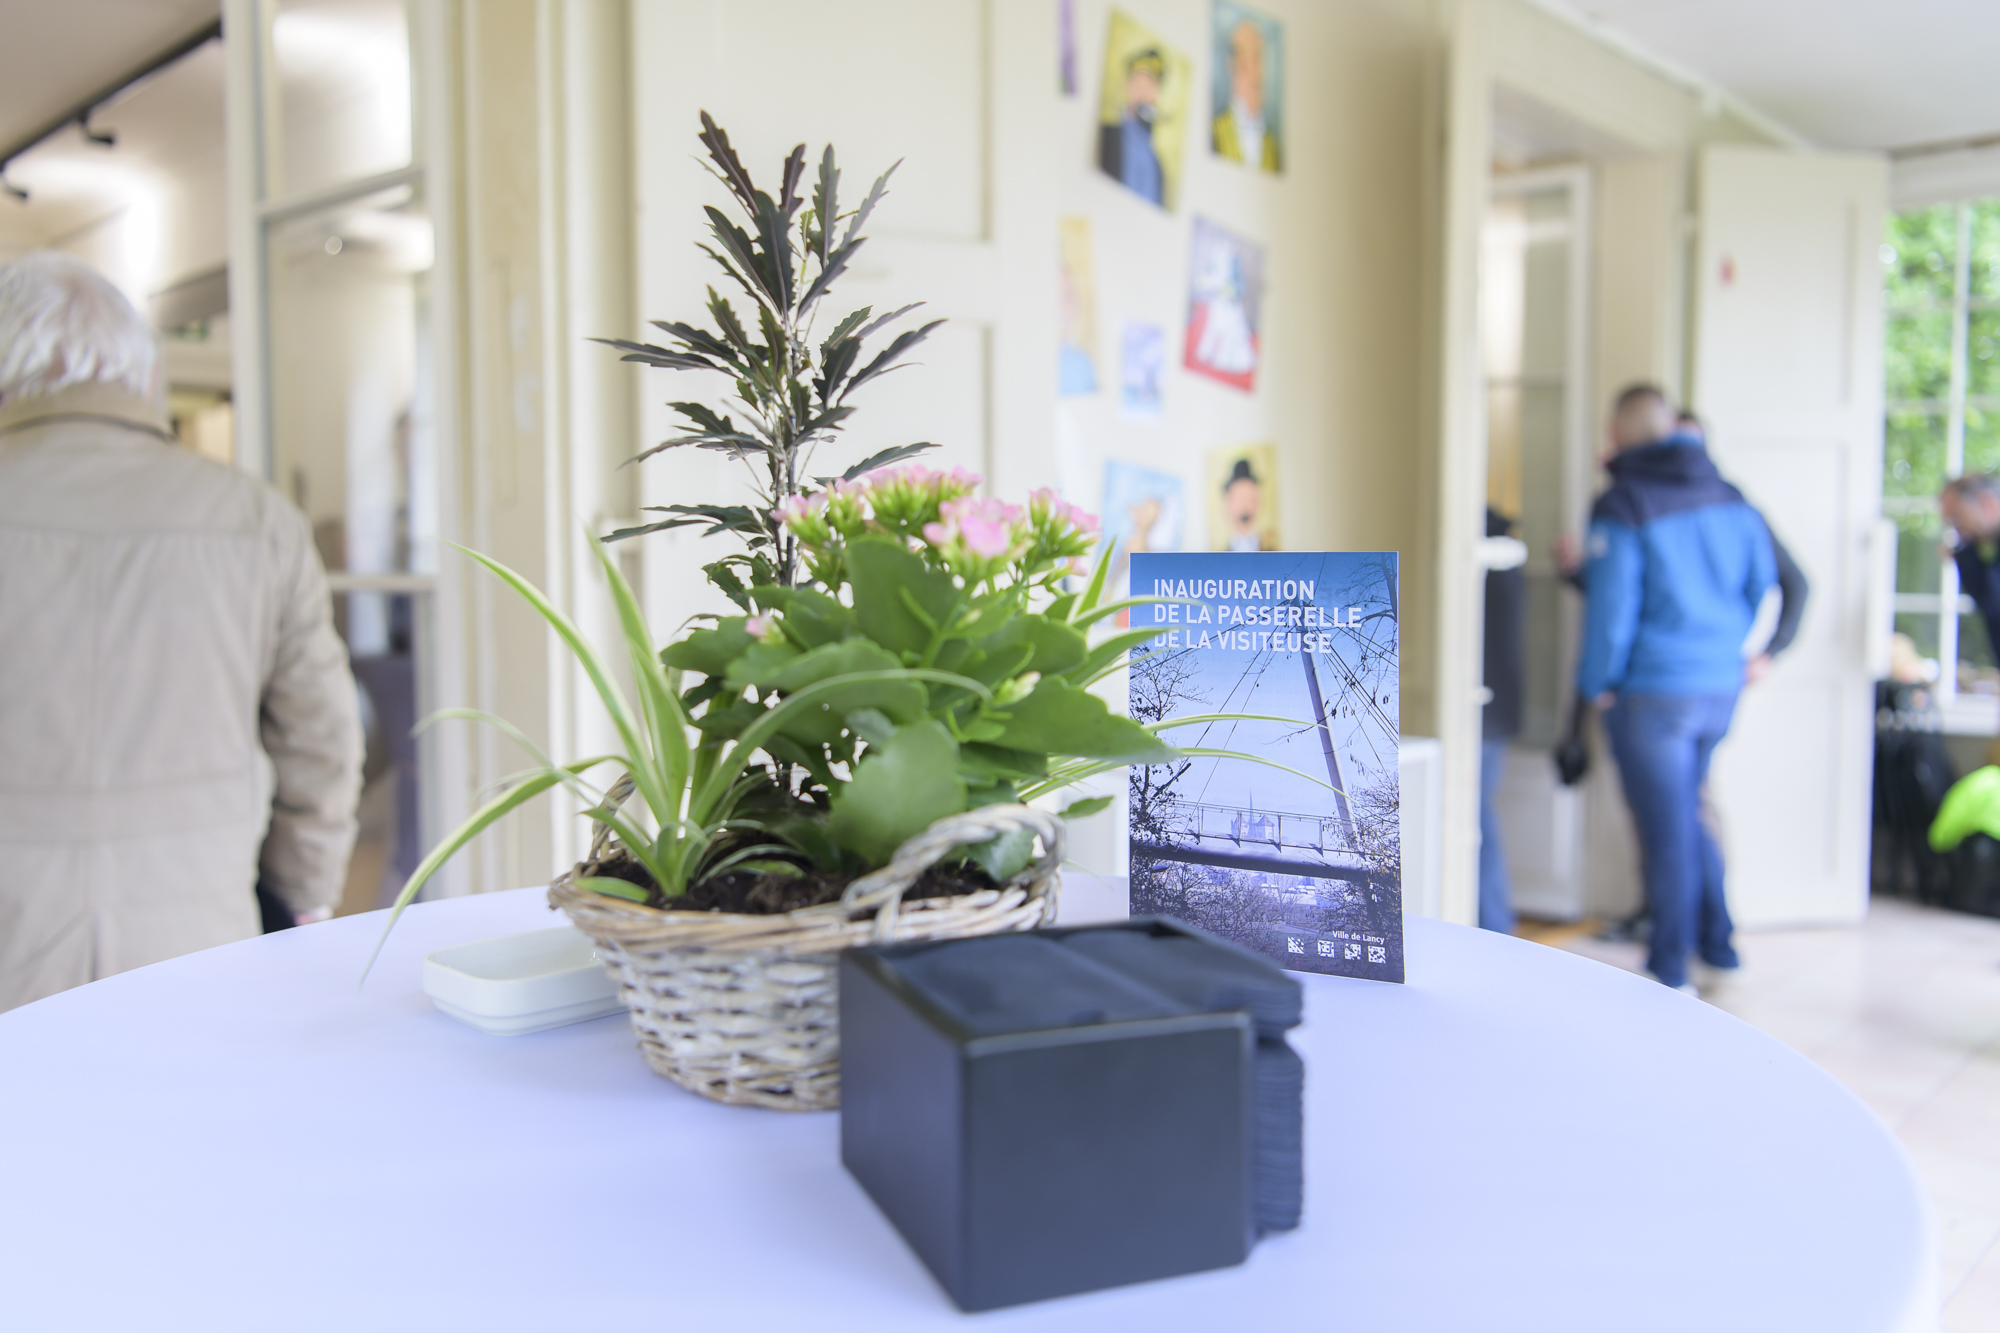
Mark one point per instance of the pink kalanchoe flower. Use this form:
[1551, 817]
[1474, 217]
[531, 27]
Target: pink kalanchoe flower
[798, 507]
[757, 626]
[985, 526]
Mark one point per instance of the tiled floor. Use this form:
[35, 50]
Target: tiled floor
[1905, 1010]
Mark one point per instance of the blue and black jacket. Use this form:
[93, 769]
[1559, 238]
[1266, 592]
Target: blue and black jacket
[1678, 564]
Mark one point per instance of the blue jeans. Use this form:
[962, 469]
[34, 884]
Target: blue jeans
[1496, 888]
[1663, 744]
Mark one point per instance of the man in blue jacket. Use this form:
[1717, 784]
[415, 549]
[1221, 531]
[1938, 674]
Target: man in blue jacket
[1678, 563]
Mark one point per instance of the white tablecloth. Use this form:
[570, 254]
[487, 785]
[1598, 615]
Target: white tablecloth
[1517, 1139]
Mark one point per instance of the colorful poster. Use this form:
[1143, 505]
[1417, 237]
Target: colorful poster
[1143, 511]
[1289, 840]
[1076, 339]
[1142, 111]
[1142, 368]
[1225, 301]
[1247, 105]
[1242, 498]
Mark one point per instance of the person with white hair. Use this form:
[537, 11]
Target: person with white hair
[177, 717]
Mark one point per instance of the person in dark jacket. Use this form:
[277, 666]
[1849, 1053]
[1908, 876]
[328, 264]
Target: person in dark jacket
[1792, 585]
[1677, 563]
[1500, 719]
[1971, 508]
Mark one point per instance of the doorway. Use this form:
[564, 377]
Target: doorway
[1534, 327]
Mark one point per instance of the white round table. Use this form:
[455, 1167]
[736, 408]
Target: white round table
[1519, 1138]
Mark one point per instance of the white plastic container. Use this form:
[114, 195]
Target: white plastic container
[516, 984]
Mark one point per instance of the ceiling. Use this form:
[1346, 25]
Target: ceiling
[1879, 74]
[53, 55]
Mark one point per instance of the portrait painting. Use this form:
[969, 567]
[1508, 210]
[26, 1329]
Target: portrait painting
[1076, 310]
[1142, 111]
[1225, 299]
[1247, 105]
[1243, 498]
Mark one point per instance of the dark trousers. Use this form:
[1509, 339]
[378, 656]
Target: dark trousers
[1663, 744]
[1496, 887]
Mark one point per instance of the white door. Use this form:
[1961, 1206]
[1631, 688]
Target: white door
[1788, 375]
[882, 80]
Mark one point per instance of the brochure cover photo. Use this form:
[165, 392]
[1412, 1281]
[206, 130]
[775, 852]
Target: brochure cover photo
[1281, 834]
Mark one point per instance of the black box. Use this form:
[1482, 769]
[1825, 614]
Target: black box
[1084, 1130]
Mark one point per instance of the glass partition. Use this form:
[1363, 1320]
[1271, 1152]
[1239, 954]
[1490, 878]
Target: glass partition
[346, 258]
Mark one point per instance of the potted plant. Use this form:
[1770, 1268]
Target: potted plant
[849, 759]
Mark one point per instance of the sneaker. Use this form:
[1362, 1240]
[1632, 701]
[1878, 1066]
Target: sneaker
[1685, 988]
[1712, 978]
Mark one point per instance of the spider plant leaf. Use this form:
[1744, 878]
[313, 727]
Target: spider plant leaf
[615, 703]
[610, 887]
[666, 724]
[1091, 617]
[1107, 657]
[1088, 806]
[1095, 589]
[475, 824]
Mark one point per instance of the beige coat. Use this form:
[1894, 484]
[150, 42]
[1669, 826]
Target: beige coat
[176, 711]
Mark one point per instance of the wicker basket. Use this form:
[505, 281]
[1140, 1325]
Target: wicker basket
[745, 1009]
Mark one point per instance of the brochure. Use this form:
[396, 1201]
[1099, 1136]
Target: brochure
[1280, 829]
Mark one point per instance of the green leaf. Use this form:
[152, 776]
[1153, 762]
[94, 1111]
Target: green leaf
[1095, 590]
[899, 700]
[710, 651]
[614, 888]
[986, 765]
[884, 457]
[1085, 808]
[1056, 647]
[1105, 657]
[1059, 718]
[898, 791]
[1005, 856]
[478, 822]
[884, 572]
[811, 617]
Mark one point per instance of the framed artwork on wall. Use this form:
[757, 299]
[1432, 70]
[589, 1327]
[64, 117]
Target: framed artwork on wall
[1242, 498]
[1076, 340]
[1142, 111]
[1225, 303]
[1247, 102]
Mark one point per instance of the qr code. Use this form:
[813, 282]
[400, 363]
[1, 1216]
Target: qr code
[1325, 948]
[1378, 953]
[1292, 945]
[1353, 950]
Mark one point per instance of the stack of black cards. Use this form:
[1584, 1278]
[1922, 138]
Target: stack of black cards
[1065, 1110]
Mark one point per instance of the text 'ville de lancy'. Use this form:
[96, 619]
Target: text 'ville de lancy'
[1285, 605]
